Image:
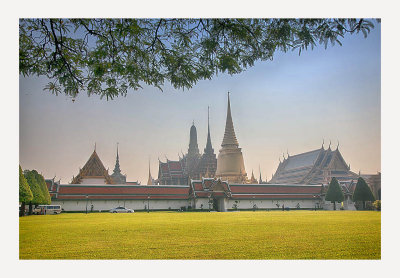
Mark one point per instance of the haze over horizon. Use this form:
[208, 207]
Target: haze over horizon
[289, 104]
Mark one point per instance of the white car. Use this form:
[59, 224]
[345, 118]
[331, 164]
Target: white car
[121, 209]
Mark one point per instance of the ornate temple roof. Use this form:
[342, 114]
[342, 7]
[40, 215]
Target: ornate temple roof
[93, 168]
[171, 169]
[313, 167]
[306, 159]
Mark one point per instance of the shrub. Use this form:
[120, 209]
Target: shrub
[377, 205]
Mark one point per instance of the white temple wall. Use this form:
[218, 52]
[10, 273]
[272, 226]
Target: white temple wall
[270, 204]
[201, 201]
[348, 204]
[224, 204]
[106, 205]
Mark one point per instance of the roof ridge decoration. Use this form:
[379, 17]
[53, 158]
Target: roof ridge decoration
[229, 135]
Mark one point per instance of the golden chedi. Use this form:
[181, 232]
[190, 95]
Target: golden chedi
[230, 164]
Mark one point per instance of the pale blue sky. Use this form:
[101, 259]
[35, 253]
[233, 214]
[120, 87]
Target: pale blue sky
[290, 103]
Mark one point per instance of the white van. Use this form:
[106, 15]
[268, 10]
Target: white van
[48, 209]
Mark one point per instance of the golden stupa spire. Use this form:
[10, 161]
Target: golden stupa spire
[229, 136]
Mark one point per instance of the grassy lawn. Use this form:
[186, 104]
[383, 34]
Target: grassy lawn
[203, 235]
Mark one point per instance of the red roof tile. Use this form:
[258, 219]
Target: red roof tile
[273, 189]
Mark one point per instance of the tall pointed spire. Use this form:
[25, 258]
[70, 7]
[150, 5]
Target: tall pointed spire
[229, 136]
[259, 168]
[193, 147]
[253, 179]
[117, 170]
[230, 163]
[150, 179]
[208, 149]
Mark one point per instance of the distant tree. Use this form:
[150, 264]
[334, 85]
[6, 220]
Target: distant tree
[25, 193]
[37, 193]
[108, 56]
[334, 193]
[362, 193]
[43, 187]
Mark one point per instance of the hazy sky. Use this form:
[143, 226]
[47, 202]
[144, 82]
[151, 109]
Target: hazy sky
[290, 103]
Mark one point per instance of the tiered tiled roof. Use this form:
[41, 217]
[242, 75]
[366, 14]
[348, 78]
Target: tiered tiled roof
[275, 191]
[172, 172]
[93, 168]
[313, 167]
[206, 188]
[209, 187]
[115, 192]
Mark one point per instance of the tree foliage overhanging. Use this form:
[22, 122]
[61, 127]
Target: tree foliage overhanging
[109, 56]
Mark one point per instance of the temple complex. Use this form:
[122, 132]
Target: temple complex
[201, 181]
[230, 164]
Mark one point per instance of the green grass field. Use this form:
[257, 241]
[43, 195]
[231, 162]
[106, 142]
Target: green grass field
[203, 235]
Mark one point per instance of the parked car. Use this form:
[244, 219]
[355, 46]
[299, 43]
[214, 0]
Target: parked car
[121, 209]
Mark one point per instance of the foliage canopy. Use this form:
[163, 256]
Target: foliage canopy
[43, 187]
[362, 192]
[334, 193]
[35, 187]
[109, 56]
[25, 193]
